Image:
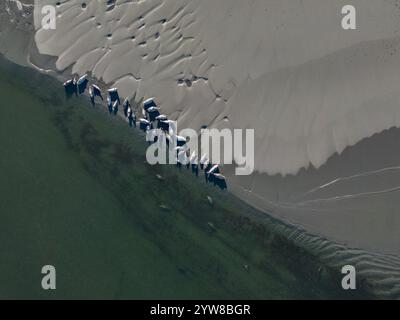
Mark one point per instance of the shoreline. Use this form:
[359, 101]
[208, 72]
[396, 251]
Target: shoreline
[301, 108]
[294, 239]
[215, 245]
[298, 231]
[283, 196]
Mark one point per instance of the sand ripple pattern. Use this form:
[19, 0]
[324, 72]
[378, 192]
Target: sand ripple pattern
[382, 271]
[309, 88]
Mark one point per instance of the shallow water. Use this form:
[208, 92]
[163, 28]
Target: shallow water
[76, 193]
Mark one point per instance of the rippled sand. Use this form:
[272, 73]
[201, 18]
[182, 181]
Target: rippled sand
[311, 90]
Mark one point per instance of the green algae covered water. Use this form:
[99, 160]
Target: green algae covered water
[76, 193]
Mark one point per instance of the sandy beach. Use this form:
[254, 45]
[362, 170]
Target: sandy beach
[323, 101]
